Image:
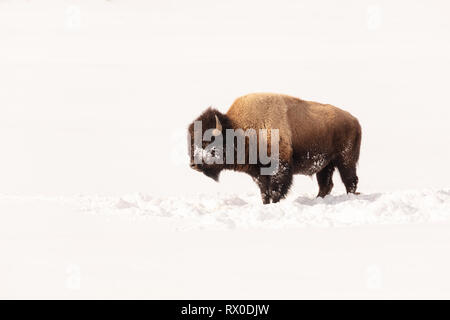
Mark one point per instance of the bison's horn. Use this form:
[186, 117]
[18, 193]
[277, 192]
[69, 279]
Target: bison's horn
[218, 129]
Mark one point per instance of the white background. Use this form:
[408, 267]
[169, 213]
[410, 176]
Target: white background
[96, 97]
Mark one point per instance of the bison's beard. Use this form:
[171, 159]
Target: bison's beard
[211, 172]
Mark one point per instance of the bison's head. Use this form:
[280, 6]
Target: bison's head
[207, 143]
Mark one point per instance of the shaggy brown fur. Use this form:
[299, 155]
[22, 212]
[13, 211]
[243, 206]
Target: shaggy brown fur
[315, 138]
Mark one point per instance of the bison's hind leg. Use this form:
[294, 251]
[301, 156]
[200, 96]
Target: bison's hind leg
[325, 180]
[347, 160]
[349, 177]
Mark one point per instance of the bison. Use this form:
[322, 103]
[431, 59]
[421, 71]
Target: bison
[313, 138]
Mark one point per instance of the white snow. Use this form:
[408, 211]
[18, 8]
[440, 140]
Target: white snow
[96, 97]
[385, 245]
[229, 211]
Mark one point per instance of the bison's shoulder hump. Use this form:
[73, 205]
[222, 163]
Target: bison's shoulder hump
[260, 109]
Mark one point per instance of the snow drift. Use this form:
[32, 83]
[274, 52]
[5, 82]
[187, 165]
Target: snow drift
[236, 211]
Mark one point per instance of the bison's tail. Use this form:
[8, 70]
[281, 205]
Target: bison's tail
[357, 142]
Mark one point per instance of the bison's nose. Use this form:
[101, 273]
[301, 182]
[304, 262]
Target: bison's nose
[193, 165]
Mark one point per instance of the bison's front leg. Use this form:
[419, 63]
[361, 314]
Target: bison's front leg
[263, 183]
[280, 182]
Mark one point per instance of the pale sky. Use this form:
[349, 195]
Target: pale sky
[95, 96]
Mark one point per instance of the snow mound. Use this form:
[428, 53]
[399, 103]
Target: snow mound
[246, 211]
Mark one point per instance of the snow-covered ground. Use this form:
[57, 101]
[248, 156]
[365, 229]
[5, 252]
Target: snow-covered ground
[246, 212]
[382, 245]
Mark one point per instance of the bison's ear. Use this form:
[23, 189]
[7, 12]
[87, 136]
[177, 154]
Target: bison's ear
[218, 130]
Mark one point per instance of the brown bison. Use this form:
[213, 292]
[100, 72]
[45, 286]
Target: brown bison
[313, 138]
